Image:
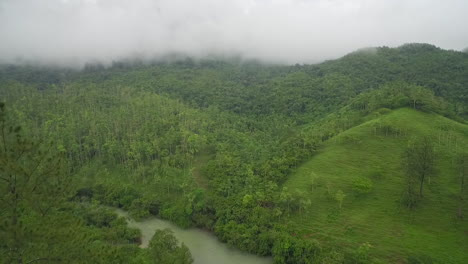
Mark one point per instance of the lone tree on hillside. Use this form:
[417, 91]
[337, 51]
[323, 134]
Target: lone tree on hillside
[419, 161]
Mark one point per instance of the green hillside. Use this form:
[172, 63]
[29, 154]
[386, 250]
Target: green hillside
[378, 217]
[254, 153]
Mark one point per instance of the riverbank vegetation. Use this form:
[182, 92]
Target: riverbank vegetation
[356, 160]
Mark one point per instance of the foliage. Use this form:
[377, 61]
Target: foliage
[362, 185]
[289, 250]
[362, 253]
[419, 163]
[38, 222]
[376, 216]
[339, 197]
[462, 168]
[214, 144]
[33, 184]
[164, 249]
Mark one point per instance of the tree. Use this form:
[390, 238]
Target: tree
[423, 99]
[303, 203]
[339, 197]
[286, 199]
[33, 182]
[288, 249]
[411, 197]
[462, 168]
[419, 162]
[164, 249]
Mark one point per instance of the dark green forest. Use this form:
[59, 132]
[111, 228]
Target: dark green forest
[362, 159]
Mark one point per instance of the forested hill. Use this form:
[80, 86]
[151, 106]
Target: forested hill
[443, 71]
[261, 155]
[250, 87]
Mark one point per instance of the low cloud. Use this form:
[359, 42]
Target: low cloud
[286, 31]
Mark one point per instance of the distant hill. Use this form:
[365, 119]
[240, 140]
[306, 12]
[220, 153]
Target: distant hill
[249, 87]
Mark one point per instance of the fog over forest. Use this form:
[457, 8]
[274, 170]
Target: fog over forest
[73, 32]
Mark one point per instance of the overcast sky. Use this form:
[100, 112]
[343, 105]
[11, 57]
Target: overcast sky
[291, 31]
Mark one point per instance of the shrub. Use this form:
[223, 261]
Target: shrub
[383, 111]
[360, 255]
[362, 185]
[419, 259]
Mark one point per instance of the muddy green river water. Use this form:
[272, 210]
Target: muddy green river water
[204, 246]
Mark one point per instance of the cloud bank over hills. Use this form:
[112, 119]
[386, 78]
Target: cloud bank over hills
[285, 31]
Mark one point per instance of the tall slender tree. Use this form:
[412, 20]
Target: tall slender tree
[419, 161]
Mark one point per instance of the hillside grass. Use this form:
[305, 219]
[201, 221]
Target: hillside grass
[378, 217]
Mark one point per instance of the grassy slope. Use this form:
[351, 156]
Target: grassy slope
[377, 217]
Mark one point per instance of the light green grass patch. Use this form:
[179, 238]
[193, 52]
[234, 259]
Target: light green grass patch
[378, 217]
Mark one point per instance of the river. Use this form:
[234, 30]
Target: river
[204, 246]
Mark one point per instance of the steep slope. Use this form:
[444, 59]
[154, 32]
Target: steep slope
[372, 152]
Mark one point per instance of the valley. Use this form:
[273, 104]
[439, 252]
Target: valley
[362, 159]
